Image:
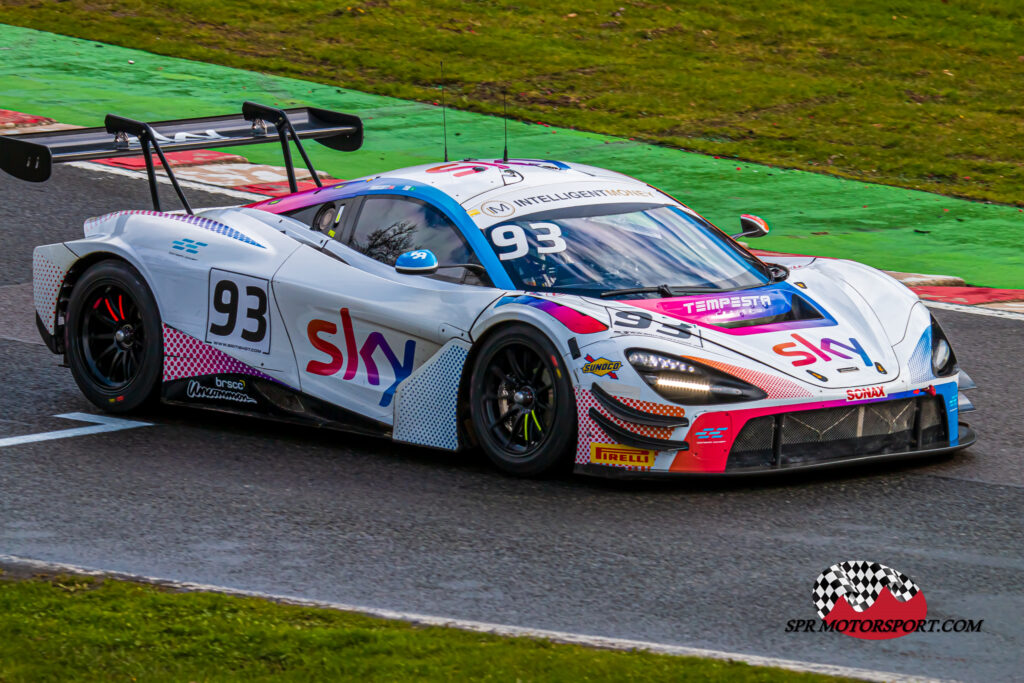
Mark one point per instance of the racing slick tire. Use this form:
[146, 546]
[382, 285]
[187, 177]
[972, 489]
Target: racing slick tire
[521, 402]
[113, 337]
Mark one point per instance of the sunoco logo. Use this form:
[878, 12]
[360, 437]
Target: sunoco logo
[601, 367]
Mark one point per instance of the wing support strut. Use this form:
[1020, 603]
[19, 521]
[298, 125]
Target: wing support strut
[31, 156]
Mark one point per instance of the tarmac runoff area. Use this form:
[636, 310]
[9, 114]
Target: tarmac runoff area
[714, 565]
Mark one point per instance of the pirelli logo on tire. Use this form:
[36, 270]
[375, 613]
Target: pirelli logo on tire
[620, 456]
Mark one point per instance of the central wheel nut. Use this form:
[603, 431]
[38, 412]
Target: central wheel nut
[124, 336]
[523, 397]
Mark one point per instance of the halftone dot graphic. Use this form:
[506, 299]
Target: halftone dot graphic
[426, 404]
[921, 359]
[590, 432]
[47, 278]
[198, 221]
[186, 356]
[774, 386]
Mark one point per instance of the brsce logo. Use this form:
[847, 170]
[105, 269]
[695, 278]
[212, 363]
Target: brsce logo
[225, 390]
[374, 341]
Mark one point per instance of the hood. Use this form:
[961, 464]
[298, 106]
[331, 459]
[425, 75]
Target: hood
[815, 327]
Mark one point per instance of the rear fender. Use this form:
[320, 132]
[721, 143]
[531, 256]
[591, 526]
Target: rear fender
[50, 266]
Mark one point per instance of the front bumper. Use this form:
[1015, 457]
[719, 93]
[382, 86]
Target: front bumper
[967, 438]
[789, 437]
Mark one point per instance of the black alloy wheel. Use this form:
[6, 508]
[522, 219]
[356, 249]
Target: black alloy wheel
[113, 337]
[521, 402]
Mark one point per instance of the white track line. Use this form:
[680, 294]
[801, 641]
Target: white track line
[976, 310]
[189, 184]
[485, 627]
[101, 424]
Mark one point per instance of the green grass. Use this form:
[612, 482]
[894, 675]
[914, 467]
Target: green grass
[914, 94]
[70, 628]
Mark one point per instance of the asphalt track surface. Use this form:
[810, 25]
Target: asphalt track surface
[323, 515]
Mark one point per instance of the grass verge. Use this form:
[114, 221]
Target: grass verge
[78, 628]
[912, 94]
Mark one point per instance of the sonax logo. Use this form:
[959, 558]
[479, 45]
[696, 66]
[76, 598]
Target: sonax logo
[868, 392]
[868, 600]
[613, 454]
[601, 367]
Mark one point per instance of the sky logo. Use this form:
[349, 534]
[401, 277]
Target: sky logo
[813, 351]
[711, 433]
[188, 246]
[359, 355]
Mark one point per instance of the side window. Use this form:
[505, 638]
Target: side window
[390, 226]
[326, 218]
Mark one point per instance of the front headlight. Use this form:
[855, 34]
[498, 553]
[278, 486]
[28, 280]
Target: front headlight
[689, 382]
[943, 358]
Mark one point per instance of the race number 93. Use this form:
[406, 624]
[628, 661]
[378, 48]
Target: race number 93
[239, 312]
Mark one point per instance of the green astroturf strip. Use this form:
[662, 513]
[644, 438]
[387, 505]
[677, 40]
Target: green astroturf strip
[71, 628]
[78, 81]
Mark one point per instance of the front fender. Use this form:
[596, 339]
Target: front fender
[889, 299]
[569, 324]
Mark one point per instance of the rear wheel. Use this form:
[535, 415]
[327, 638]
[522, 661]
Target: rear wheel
[521, 402]
[113, 337]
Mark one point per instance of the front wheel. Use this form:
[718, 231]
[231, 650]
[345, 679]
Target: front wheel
[521, 402]
[113, 337]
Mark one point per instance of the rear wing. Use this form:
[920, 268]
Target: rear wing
[31, 156]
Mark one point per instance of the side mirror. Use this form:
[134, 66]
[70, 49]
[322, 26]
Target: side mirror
[752, 226]
[418, 262]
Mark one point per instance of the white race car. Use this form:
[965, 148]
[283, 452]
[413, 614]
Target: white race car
[548, 313]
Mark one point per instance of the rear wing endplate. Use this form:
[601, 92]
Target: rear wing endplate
[31, 156]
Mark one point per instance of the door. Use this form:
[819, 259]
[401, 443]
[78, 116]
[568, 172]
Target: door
[358, 328]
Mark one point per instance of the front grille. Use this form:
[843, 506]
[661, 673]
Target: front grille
[814, 436]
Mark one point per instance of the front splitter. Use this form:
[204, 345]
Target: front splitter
[967, 438]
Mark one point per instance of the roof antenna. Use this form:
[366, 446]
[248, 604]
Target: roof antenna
[444, 117]
[505, 102]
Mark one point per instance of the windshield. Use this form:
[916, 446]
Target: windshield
[593, 249]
